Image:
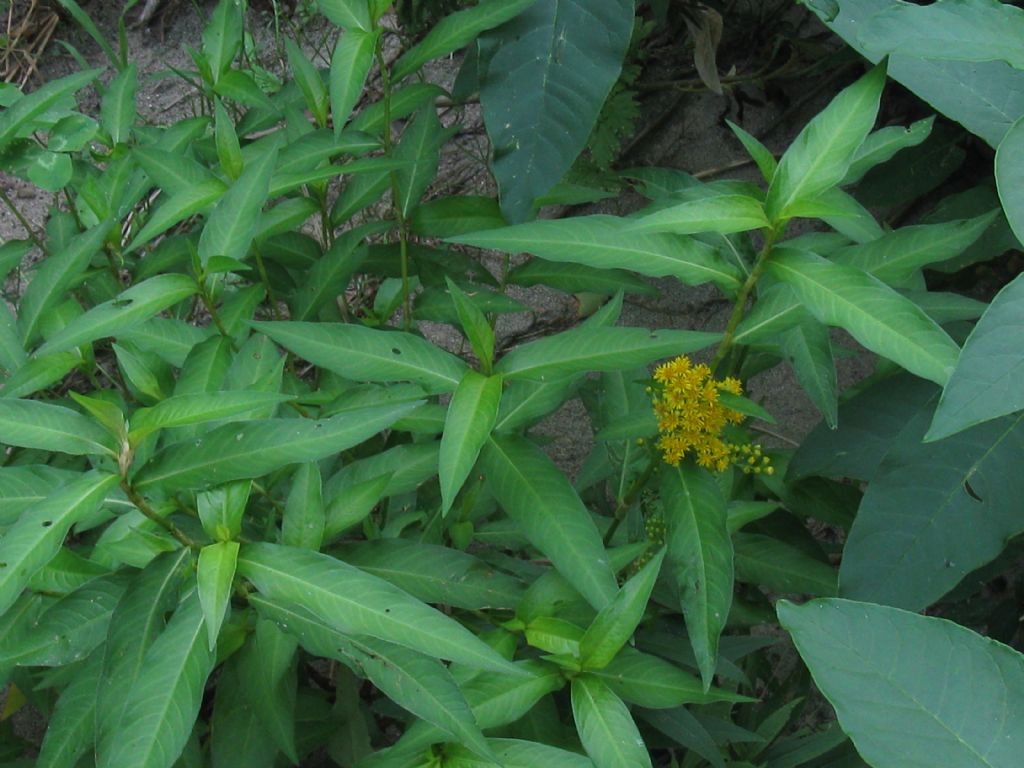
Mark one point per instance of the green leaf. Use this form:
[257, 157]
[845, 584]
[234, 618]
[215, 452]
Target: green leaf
[897, 256]
[12, 353]
[874, 314]
[254, 448]
[19, 116]
[303, 521]
[434, 574]
[759, 153]
[180, 410]
[308, 78]
[539, 498]
[988, 381]
[700, 558]
[177, 207]
[1010, 175]
[606, 242]
[214, 576]
[615, 623]
[471, 416]
[239, 737]
[883, 144]
[117, 108]
[137, 621]
[605, 726]
[780, 567]
[821, 154]
[652, 682]
[808, 347]
[514, 753]
[71, 728]
[420, 147]
[474, 325]
[48, 427]
[367, 354]
[590, 348]
[36, 537]
[908, 687]
[578, 278]
[544, 77]
[456, 31]
[162, 706]
[55, 275]
[330, 275]
[267, 673]
[222, 37]
[721, 213]
[230, 229]
[350, 64]
[39, 373]
[456, 215]
[229, 152]
[356, 603]
[129, 309]
[171, 171]
[934, 512]
[346, 13]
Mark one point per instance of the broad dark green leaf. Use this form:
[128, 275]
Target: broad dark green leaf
[591, 348]
[39, 373]
[605, 242]
[71, 729]
[435, 574]
[129, 309]
[685, 729]
[253, 448]
[912, 689]
[700, 558]
[544, 76]
[23, 486]
[539, 498]
[267, 671]
[878, 317]
[471, 415]
[420, 148]
[330, 275]
[578, 278]
[180, 410]
[934, 512]
[162, 706]
[38, 534]
[19, 116]
[781, 567]
[1010, 175]
[988, 380]
[883, 144]
[173, 172]
[303, 522]
[821, 154]
[808, 347]
[55, 275]
[605, 726]
[215, 573]
[178, 206]
[117, 108]
[230, 229]
[350, 64]
[367, 354]
[456, 31]
[48, 427]
[239, 738]
[616, 622]
[356, 603]
[721, 213]
[12, 351]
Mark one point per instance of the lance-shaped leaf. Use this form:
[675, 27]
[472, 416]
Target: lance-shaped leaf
[1010, 176]
[988, 381]
[180, 410]
[515, 753]
[350, 64]
[162, 706]
[356, 603]
[48, 427]
[883, 144]
[117, 108]
[912, 690]
[934, 512]
[214, 576]
[721, 213]
[434, 574]
[782, 567]
[474, 325]
[539, 498]
[129, 309]
[700, 558]
[232, 224]
[879, 318]
[267, 667]
[222, 37]
[471, 416]
[330, 275]
[39, 373]
[607, 243]
[54, 275]
[616, 622]
[178, 206]
[605, 726]
[592, 348]
[367, 354]
[171, 171]
[21, 113]
[346, 13]
[303, 522]
[253, 448]
[420, 147]
[821, 154]
[137, 621]
[239, 737]
[71, 728]
[808, 347]
[544, 77]
[31, 542]
[418, 683]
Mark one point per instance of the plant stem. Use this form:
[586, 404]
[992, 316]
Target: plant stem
[143, 506]
[211, 307]
[741, 299]
[628, 500]
[36, 241]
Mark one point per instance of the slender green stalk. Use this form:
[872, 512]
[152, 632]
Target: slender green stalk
[143, 506]
[211, 307]
[36, 241]
[628, 500]
[266, 284]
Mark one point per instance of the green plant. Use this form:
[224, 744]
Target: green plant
[209, 543]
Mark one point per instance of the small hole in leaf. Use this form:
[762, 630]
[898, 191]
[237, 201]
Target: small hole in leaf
[47, 523]
[122, 303]
[3, 565]
[396, 351]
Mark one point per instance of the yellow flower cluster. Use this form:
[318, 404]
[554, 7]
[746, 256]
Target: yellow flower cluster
[690, 416]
